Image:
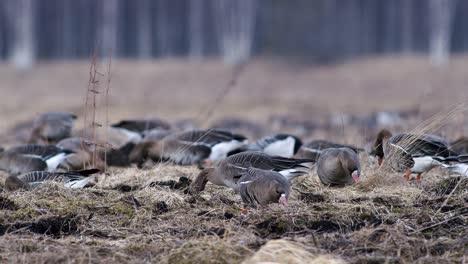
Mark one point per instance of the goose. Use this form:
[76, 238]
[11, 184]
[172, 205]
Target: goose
[228, 171]
[16, 164]
[263, 187]
[338, 167]
[51, 127]
[281, 145]
[460, 167]
[141, 125]
[82, 155]
[411, 153]
[313, 149]
[30, 180]
[52, 155]
[190, 147]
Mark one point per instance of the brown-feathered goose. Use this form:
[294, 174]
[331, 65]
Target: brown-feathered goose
[313, 149]
[262, 187]
[82, 155]
[282, 145]
[141, 125]
[338, 167]
[51, 127]
[72, 179]
[190, 147]
[411, 153]
[227, 172]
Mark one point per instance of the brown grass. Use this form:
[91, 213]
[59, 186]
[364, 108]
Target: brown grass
[137, 216]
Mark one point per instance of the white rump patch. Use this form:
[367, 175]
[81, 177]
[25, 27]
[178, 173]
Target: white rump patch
[282, 148]
[54, 162]
[220, 150]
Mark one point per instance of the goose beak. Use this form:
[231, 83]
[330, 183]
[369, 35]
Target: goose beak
[355, 176]
[379, 161]
[283, 200]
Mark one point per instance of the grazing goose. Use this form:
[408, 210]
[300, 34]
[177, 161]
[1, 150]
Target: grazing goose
[190, 147]
[262, 187]
[30, 180]
[227, 172]
[281, 145]
[52, 155]
[141, 125]
[51, 127]
[338, 167]
[411, 153]
[82, 155]
[313, 149]
[16, 164]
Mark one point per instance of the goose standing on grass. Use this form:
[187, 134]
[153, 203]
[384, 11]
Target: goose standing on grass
[227, 172]
[190, 147]
[51, 127]
[411, 153]
[338, 167]
[281, 145]
[82, 155]
[313, 149]
[30, 180]
[262, 187]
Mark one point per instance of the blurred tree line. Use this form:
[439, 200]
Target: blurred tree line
[319, 30]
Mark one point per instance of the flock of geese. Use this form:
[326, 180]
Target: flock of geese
[260, 171]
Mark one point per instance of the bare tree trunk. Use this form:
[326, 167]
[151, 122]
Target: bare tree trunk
[407, 25]
[235, 21]
[21, 19]
[440, 17]
[145, 39]
[108, 32]
[196, 36]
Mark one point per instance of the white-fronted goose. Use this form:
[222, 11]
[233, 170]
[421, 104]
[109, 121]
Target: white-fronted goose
[30, 180]
[338, 167]
[411, 153]
[52, 155]
[262, 187]
[82, 155]
[51, 127]
[190, 147]
[228, 171]
[16, 164]
[313, 149]
[281, 145]
[141, 125]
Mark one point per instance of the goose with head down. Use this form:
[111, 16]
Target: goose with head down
[30, 180]
[227, 172]
[189, 147]
[338, 167]
[51, 127]
[411, 153]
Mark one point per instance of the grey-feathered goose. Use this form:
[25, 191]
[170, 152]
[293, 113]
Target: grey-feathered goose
[313, 149]
[190, 147]
[52, 155]
[72, 179]
[338, 167]
[460, 167]
[82, 155]
[227, 172]
[141, 125]
[17, 164]
[281, 145]
[51, 127]
[411, 153]
[262, 187]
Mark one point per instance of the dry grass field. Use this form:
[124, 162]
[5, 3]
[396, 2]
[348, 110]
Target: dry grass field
[143, 215]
